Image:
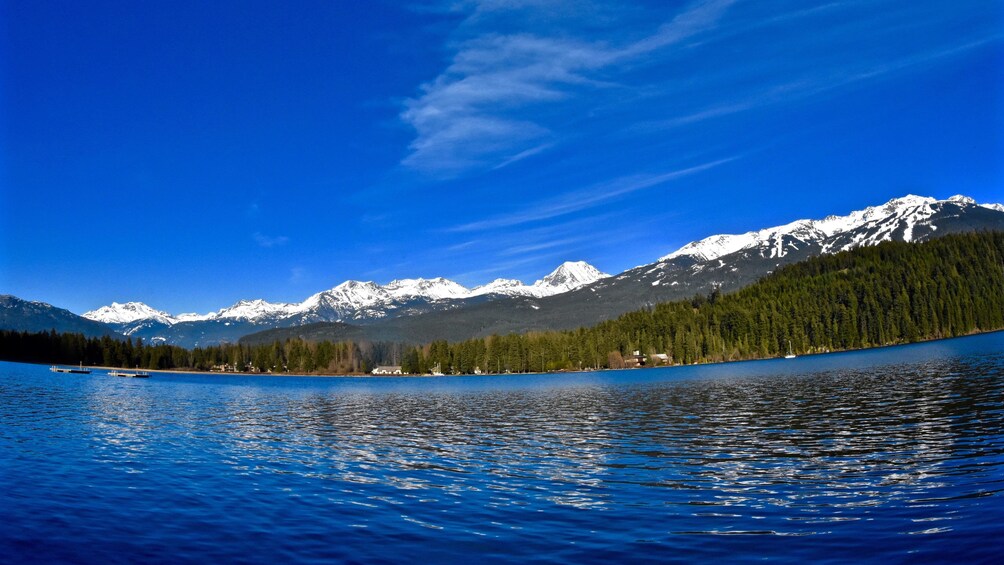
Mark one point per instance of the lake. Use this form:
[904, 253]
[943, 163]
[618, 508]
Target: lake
[887, 455]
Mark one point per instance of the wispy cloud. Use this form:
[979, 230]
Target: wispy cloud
[474, 114]
[587, 198]
[297, 275]
[514, 89]
[463, 245]
[541, 246]
[269, 241]
[374, 218]
[816, 83]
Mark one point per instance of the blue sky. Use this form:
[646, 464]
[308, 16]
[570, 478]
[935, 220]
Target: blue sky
[190, 154]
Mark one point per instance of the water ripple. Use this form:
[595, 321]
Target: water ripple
[898, 452]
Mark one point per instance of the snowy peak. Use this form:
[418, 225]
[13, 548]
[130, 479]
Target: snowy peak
[356, 299]
[910, 201]
[900, 218]
[364, 296]
[353, 293]
[570, 275]
[434, 289]
[255, 310]
[911, 208]
[508, 287]
[962, 199]
[116, 313]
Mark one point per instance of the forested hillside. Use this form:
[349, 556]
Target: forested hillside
[891, 293]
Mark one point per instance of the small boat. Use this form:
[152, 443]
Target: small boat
[790, 355]
[130, 374]
[78, 371]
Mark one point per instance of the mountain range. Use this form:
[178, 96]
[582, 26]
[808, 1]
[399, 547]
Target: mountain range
[575, 294]
[725, 262]
[356, 301]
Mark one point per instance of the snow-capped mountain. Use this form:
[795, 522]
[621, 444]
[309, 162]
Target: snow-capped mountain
[731, 261]
[504, 287]
[433, 289]
[354, 301]
[132, 312]
[131, 317]
[116, 313]
[902, 219]
[570, 275]
[996, 207]
[255, 310]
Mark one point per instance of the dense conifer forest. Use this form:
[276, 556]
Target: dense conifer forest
[888, 294]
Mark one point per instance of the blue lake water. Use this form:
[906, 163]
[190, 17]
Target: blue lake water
[887, 455]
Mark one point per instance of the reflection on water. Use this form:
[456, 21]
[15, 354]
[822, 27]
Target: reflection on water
[902, 457]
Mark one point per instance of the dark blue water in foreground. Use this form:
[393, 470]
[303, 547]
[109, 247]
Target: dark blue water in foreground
[889, 455]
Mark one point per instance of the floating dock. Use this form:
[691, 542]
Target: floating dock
[80, 371]
[130, 374]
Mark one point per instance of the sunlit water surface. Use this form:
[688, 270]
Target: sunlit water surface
[889, 455]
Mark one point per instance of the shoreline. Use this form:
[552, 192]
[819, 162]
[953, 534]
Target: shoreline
[568, 371]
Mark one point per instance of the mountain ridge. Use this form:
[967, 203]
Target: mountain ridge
[358, 295]
[920, 207]
[32, 316]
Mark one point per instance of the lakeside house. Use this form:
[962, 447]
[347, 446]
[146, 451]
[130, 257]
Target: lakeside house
[387, 370]
[660, 358]
[636, 359]
[228, 368]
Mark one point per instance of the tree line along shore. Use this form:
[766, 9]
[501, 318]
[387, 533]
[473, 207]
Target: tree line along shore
[874, 296]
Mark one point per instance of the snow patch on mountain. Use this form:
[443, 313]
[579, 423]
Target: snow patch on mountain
[195, 317]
